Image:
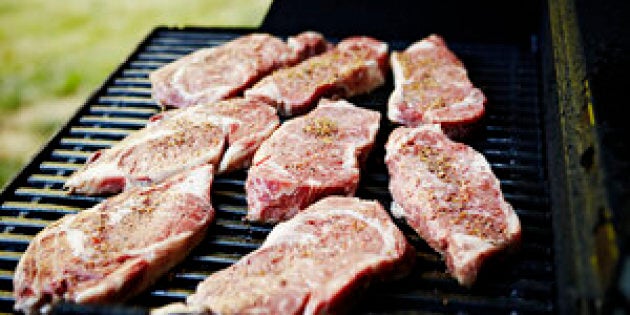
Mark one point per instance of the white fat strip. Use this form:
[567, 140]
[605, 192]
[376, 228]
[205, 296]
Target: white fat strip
[233, 153]
[422, 45]
[383, 48]
[340, 104]
[399, 74]
[411, 133]
[200, 115]
[374, 77]
[471, 99]
[393, 103]
[467, 248]
[197, 183]
[87, 174]
[313, 183]
[283, 233]
[397, 210]
[511, 218]
[116, 216]
[477, 164]
[224, 121]
[267, 89]
[293, 44]
[373, 129]
[113, 282]
[279, 168]
[258, 37]
[74, 237]
[286, 109]
[371, 64]
[393, 112]
[149, 251]
[212, 89]
[237, 150]
[278, 235]
[147, 135]
[203, 159]
[76, 241]
[349, 158]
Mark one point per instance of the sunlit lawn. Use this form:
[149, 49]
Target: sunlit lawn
[54, 53]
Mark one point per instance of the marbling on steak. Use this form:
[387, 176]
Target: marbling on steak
[116, 249]
[225, 134]
[357, 65]
[308, 158]
[312, 264]
[447, 192]
[432, 87]
[211, 74]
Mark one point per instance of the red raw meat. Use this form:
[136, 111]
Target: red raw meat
[176, 140]
[211, 74]
[447, 192]
[116, 249]
[432, 87]
[315, 263]
[308, 158]
[356, 66]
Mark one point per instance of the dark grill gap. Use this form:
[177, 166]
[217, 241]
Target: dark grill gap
[511, 139]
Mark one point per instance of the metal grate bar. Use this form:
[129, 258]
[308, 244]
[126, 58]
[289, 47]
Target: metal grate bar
[511, 140]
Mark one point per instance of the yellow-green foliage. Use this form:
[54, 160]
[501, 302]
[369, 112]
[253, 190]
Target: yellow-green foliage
[54, 53]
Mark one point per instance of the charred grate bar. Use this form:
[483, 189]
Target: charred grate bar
[511, 139]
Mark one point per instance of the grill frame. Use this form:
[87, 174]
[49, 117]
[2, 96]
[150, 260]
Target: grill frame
[432, 301]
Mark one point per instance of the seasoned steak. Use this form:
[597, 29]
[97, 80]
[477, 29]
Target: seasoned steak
[117, 248]
[356, 65]
[447, 192]
[211, 74]
[312, 264]
[225, 134]
[432, 87]
[308, 158]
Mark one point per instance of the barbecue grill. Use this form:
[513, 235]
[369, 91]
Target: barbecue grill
[538, 136]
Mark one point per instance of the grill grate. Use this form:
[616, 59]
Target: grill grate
[511, 139]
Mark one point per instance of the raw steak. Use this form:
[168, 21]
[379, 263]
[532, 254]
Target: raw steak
[176, 140]
[308, 158]
[211, 74]
[117, 248]
[312, 264]
[432, 87]
[447, 192]
[356, 66]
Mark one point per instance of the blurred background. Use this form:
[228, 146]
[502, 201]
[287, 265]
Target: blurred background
[55, 53]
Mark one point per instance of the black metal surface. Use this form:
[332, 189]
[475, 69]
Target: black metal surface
[585, 189]
[511, 139]
[481, 20]
[607, 61]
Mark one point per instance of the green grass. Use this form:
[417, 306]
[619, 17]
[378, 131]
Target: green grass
[54, 53]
